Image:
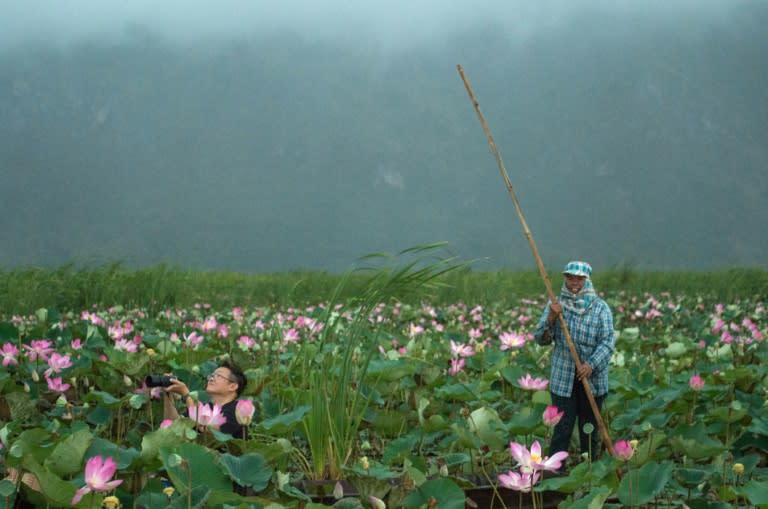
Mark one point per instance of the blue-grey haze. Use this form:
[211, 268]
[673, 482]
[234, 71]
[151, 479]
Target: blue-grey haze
[265, 136]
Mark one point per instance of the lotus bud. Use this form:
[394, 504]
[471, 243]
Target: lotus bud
[127, 381]
[35, 376]
[168, 491]
[111, 502]
[61, 401]
[634, 443]
[623, 450]
[174, 460]
[283, 479]
[150, 352]
[364, 463]
[444, 470]
[738, 468]
[244, 411]
[376, 503]
[26, 387]
[338, 491]
[696, 382]
[196, 369]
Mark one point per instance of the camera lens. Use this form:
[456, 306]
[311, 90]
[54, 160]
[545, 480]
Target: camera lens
[158, 380]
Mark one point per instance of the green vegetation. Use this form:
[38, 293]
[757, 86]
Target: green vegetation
[75, 288]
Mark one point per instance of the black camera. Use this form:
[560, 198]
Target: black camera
[158, 380]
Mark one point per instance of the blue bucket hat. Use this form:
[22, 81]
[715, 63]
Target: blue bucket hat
[578, 269]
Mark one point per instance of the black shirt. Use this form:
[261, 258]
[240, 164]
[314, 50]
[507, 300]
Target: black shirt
[232, 427]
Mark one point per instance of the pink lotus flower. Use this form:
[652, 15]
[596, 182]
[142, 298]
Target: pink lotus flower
[166, 423]
[98, 472]
[193, 339]
[9, 353]
[244, 411]
[461, 350]
[124, 345]
[222, 331]
[696, 382]
[76, 344]
[457, 366]
[623, 450]
[532, 384]
[56, 385]
[552, 416]
[291, 336]
[57, 363]
[39, 349]
[116, 331]
[511, 340]
[245, 343]
[519, 482]
[206, 415]
[209, 324]
[532, 461]
[414, 330]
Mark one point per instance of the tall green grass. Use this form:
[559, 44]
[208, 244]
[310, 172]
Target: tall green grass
[71, 288]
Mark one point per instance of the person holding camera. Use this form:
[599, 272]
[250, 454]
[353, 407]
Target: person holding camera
[225, 385]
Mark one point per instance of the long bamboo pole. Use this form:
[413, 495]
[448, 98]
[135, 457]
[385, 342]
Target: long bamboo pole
[564, 326]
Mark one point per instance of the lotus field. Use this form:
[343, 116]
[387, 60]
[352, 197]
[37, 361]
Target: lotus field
[377, 403]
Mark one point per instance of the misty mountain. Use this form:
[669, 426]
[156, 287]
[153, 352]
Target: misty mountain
[628, 139]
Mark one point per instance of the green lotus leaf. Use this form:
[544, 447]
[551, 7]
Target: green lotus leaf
[524, 422]
[284, 423]
[248, 470]
[198, 468]
[67, 456]
[390, 423]
[640, 486]
[694, 442]
[594, 500]
[35, 443]
[756, 491]
[390, 370]
[442, 493]
[198, 499]
[464, 438]
[54, 488]
[153, 442]
[730, 415]
[8, 332]
[487, 425]
[691, 477]
[629, 334]
[434, 423]
[457, 392]
[399, 448]
[675, 349]
[7, 488]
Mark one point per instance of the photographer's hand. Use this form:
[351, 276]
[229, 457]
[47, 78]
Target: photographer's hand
[177, 387]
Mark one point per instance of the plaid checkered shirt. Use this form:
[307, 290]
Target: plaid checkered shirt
[592, 334]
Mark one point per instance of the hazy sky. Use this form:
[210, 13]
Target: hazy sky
[390, 23]
[648, 103]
